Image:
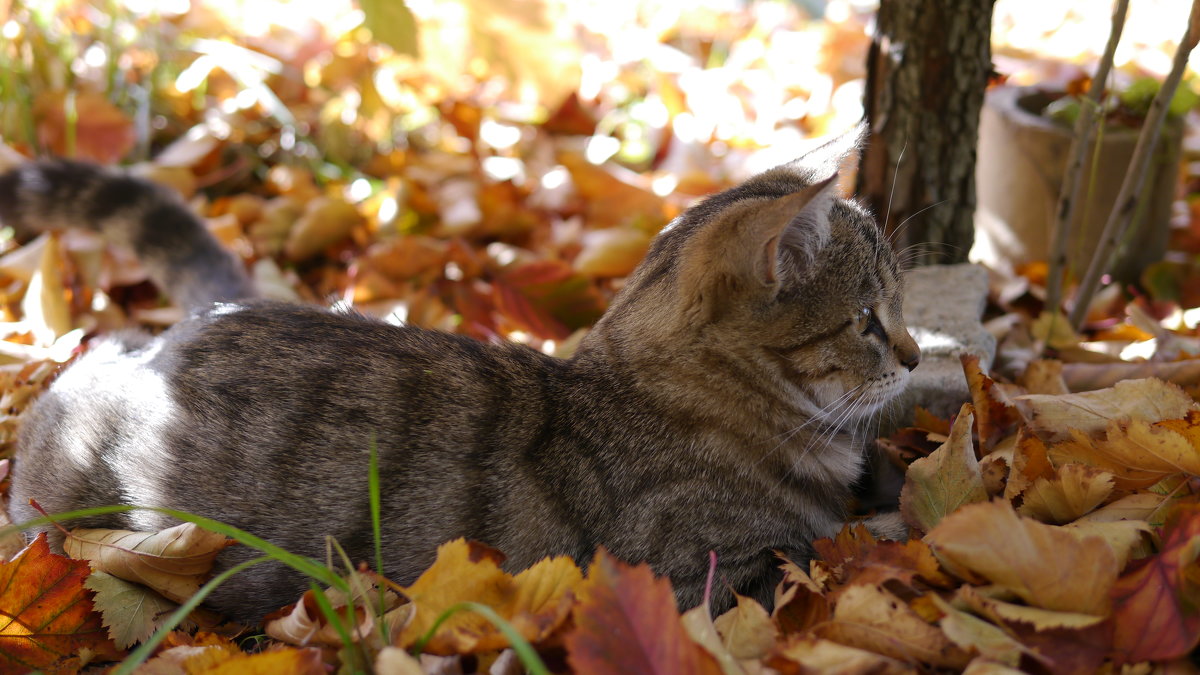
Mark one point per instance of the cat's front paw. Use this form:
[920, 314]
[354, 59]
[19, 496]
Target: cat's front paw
[888, 525]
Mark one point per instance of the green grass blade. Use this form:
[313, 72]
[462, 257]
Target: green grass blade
[143, 651]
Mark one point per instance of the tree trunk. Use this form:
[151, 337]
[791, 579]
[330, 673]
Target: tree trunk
[926, 73]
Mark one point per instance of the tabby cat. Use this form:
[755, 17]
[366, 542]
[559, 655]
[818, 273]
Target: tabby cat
[708, 409]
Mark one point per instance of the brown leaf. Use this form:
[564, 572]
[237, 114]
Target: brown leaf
[626, 622]
[1157, 615]
[972, 633]
[1044, 565]
[1044, 376]
[1053, 417]
[45, 611]
[613, 252]
[994, 415]
[896, 561]
[173, 562]
[800, 603]
[325, 222]
[938, 484]
[1029, 462]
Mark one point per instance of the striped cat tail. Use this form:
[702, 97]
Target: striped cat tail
[179, 253]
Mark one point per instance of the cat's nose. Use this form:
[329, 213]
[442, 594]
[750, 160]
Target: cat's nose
[912, 361]
[908, 353]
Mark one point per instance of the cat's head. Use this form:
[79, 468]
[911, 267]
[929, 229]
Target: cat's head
[777, 291]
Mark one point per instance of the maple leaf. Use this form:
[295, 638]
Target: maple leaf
[536, 602]
[626, 621]
[45, 611]
[1157, 603]
[1046, 566]
[173, 562]
[938, 484]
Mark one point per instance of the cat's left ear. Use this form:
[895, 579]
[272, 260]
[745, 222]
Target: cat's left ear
[839, 154]
[800, 221]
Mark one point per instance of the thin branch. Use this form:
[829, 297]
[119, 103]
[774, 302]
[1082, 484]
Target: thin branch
[1081, 144]
[1135, 176]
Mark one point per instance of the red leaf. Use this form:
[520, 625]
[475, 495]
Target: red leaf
[514, 306]
[627, 622]
[1157, 603]
[45, 612]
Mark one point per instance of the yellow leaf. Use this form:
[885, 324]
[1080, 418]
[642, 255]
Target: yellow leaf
[972, 633]
[1137, 453]
[1000, 611]
[1046, 566]
[1145, 506]
[1128, 539]
[325, 222]
[173, 562]
[535, 602]
[1075, 490]
[45, 303]
[613, 252]
[869, 617]
[290, 661]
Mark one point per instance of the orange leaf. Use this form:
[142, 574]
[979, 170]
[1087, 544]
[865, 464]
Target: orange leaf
[45, 611]
[1157, 604]
[994, 415]
[102, 132]
[627, 622]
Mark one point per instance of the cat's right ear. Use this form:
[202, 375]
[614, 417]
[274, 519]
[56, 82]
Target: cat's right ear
[839, 154]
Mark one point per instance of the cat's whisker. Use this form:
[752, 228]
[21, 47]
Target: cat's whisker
[892, 193]
[895, 236]
[818, 418]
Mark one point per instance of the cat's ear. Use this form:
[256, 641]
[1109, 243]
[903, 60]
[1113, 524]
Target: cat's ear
[741, 254]
[801, 220]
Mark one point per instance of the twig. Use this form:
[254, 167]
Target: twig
[1135, 176]
[1085, 133]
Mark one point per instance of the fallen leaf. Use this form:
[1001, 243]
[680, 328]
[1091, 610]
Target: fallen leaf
[536, 601]
[815, 655]
[1044, 565]
[869, 617]
[131, 612]
[800, 603]
[214, 661]
[1128, 539]
[1143, 506]
[896, 561]
[613, 252]
[972, 633]
[325, 222]
[950, 477]
[1044, 376]
[45, 303]
[994, 415]
[1075, 490]
[1029, 462]
[1052, 417]
[1157, 603]
[999, 611]
[173, 562]
[747, 630]
[698, 623]
[626, 622]
[1137, 453]
[45, 611]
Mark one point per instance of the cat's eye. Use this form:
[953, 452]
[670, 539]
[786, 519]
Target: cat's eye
[868, 322]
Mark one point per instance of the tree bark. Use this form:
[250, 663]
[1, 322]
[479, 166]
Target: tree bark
[927, 71]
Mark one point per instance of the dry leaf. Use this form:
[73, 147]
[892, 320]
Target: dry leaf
[535, 602]
[972, 633]
[626, 622]
[995, 417]
[173, 562]
[1045, 565]
[698, 624]
[1143, 506]
[1157, 615]
[938, 484]
[830, 658]
[613, 252]
[1137, 453]
[325, 222]
[292, 661]
[1052, 417]
[1075, 490]
[747, 630]
[45, 611]
[869, 617]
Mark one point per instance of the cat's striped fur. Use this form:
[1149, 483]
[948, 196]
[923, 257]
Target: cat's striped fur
[711, 408]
